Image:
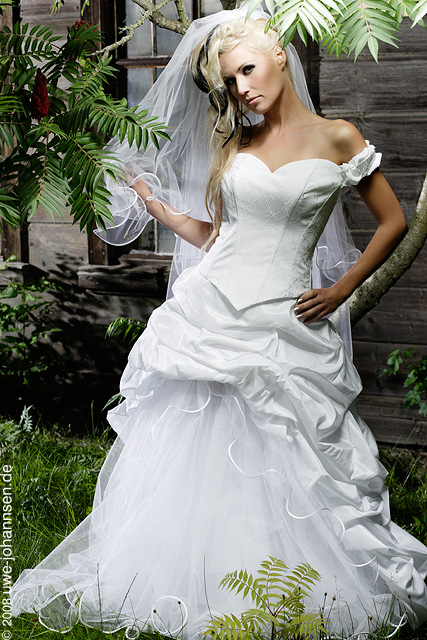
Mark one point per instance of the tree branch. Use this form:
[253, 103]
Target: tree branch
[368, 295]
[152, 12]
[161, 21]
[182, 16]
[148, 13]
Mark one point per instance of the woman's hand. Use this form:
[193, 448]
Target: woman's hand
[315, 304]
[141, 188]
[194, 231]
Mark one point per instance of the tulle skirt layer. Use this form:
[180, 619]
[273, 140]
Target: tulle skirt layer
[238, 439]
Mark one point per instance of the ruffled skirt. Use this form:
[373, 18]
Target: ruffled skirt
[238, 439]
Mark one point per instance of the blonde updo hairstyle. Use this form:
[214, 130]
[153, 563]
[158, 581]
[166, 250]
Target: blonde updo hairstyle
[230, 128]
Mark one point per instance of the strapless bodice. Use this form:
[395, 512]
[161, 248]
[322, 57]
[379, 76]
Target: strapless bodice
[272, 221]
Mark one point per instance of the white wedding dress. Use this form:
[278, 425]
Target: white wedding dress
[238, 439]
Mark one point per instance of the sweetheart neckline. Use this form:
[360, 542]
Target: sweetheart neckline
[287, 164]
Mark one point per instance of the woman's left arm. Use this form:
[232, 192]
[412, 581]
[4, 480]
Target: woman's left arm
[384, 206]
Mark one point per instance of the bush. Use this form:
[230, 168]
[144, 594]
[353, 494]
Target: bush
[24, 327]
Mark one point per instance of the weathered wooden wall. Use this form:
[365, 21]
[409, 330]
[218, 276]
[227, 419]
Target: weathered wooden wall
[388, 103]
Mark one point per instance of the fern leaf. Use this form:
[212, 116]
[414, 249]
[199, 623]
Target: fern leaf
[238, 581]
[128, 328]
[92, 78]
[9, 208]
[363, 24]
[419, 11]
[42, 184]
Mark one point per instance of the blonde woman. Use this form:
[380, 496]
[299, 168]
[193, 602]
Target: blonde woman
[239, 438]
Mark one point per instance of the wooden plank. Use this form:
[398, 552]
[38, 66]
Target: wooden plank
[397, 315]
[6, 20]
[102, 253]
[389, 423]
[415, 277]
[412, 44]
[59, 248]
[99, 309]
[396, 135]
[147, 277]
[398, 84]
[406, 185]
[14, 242]
[41, 215]
[22, 272]
[38, 12]
[92, 13]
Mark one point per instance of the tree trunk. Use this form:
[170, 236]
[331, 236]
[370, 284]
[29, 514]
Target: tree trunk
[368, 295]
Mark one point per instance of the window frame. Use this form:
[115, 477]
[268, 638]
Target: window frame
[110, 16]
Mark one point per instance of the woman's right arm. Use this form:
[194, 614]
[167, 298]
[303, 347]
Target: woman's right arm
[195, 232]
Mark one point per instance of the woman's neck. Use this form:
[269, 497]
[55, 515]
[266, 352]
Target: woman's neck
[289, 113]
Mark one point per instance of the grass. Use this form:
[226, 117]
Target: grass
[54, 478]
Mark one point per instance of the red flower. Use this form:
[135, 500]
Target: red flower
[79, 24]
[39, 99]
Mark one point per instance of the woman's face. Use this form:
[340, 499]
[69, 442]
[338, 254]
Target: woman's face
[255, 79]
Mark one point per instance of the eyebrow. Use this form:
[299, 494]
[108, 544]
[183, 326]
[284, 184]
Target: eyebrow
[242, 65]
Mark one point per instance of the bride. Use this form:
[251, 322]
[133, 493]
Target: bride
[238, 437]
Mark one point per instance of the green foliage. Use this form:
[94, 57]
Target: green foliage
[53, 483]
[57, 4]
[127, 328]
[407, 481]
[24, 310]
[54, 478]
[4, 4]
[342, 25]
[58, 160]
[416, 378]
[278, 596]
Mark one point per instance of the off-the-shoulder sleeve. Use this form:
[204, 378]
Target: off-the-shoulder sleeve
[361, 165]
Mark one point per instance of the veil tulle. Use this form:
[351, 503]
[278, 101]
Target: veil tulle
[179, 170]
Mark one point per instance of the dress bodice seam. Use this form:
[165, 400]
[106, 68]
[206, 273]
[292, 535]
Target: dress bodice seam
[302, 194]
[287, 164]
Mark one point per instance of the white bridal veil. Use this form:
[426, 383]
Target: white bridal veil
[178, 171]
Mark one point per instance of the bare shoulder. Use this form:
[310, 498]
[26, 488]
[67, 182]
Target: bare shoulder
[345, 138]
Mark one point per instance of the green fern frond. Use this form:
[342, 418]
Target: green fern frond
[278, 594]
[91, 81]
[74, 120]
[366, 23]
[59, 66]
[85, 160]
[115, 118]
[312, 17]
[344, 25]
[40, 43]
[229, 627]
[239, 581]
[42, 184]
[418, 11]
[126, 328]
[61, 160]
[334, 43]
[9, 208]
